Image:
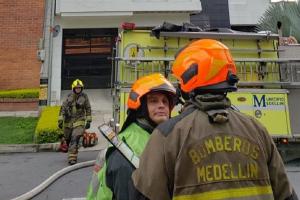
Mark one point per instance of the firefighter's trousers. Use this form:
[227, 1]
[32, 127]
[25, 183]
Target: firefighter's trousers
[77, 132]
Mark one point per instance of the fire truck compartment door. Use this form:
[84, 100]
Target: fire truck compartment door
[270, 107]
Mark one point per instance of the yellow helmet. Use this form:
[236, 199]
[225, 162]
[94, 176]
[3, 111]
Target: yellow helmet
[77, 83]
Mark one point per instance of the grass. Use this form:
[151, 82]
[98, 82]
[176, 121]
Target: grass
[17, 130]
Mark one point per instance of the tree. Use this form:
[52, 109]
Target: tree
[284, 14]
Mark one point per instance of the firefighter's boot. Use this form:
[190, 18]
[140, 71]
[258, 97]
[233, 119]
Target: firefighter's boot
[72, 157]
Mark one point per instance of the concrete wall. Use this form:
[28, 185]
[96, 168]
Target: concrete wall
[55, 71]
[21, 27]
[215, 14]
[141, 20]
[106, 7]
[292, 51]
[289, 51]
[294, 109]
[246, 12]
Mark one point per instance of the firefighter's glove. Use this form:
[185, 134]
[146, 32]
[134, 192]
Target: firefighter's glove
[87, 125]
[60, 124]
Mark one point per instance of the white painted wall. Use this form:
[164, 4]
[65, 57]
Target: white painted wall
[56, 68]
[141, 20]
[246, 12]
[92, 7]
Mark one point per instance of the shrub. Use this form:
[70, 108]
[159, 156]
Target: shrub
[20, 94]
[47, 130]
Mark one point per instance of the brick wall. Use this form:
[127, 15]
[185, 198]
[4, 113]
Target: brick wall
[21, 26]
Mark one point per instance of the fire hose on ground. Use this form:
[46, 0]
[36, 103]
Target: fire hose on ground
[35, 191]
[108, 132]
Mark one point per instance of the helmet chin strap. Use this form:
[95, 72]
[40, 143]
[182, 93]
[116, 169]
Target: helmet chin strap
[145, 124]
[232, 79]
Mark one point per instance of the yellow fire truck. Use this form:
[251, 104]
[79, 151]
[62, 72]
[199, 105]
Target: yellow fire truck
[265, 79]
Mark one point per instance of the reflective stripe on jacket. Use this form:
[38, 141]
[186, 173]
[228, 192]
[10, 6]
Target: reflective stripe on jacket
[136, 138]
[244, 193]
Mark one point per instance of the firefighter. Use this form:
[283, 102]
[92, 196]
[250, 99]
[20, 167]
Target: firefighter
[150, 102]
[210, 151]
[74, 118]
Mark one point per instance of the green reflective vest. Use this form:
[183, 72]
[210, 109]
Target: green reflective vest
[136, 138]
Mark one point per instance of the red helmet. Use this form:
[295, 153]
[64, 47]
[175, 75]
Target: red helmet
[205, 65]
[146, 84]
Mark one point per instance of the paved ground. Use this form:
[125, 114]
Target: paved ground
[21, 172]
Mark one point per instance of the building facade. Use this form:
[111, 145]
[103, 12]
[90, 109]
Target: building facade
[52, 42]
[20, 35]
[240, 15]
[214, 14]
[84, 33]
[245, 14]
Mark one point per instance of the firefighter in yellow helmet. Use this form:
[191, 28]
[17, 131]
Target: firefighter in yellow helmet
[74, 117]
[150, 102]
[210, 151]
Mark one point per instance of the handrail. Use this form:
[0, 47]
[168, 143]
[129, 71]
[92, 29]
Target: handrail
[149, 59]
[220, 35]
[251, 71]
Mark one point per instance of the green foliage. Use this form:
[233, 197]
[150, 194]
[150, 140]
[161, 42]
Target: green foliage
[17, 130]
[47, 130]
[288, 13]
[20, 94]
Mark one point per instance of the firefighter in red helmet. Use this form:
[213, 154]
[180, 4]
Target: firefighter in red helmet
[210, 151]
